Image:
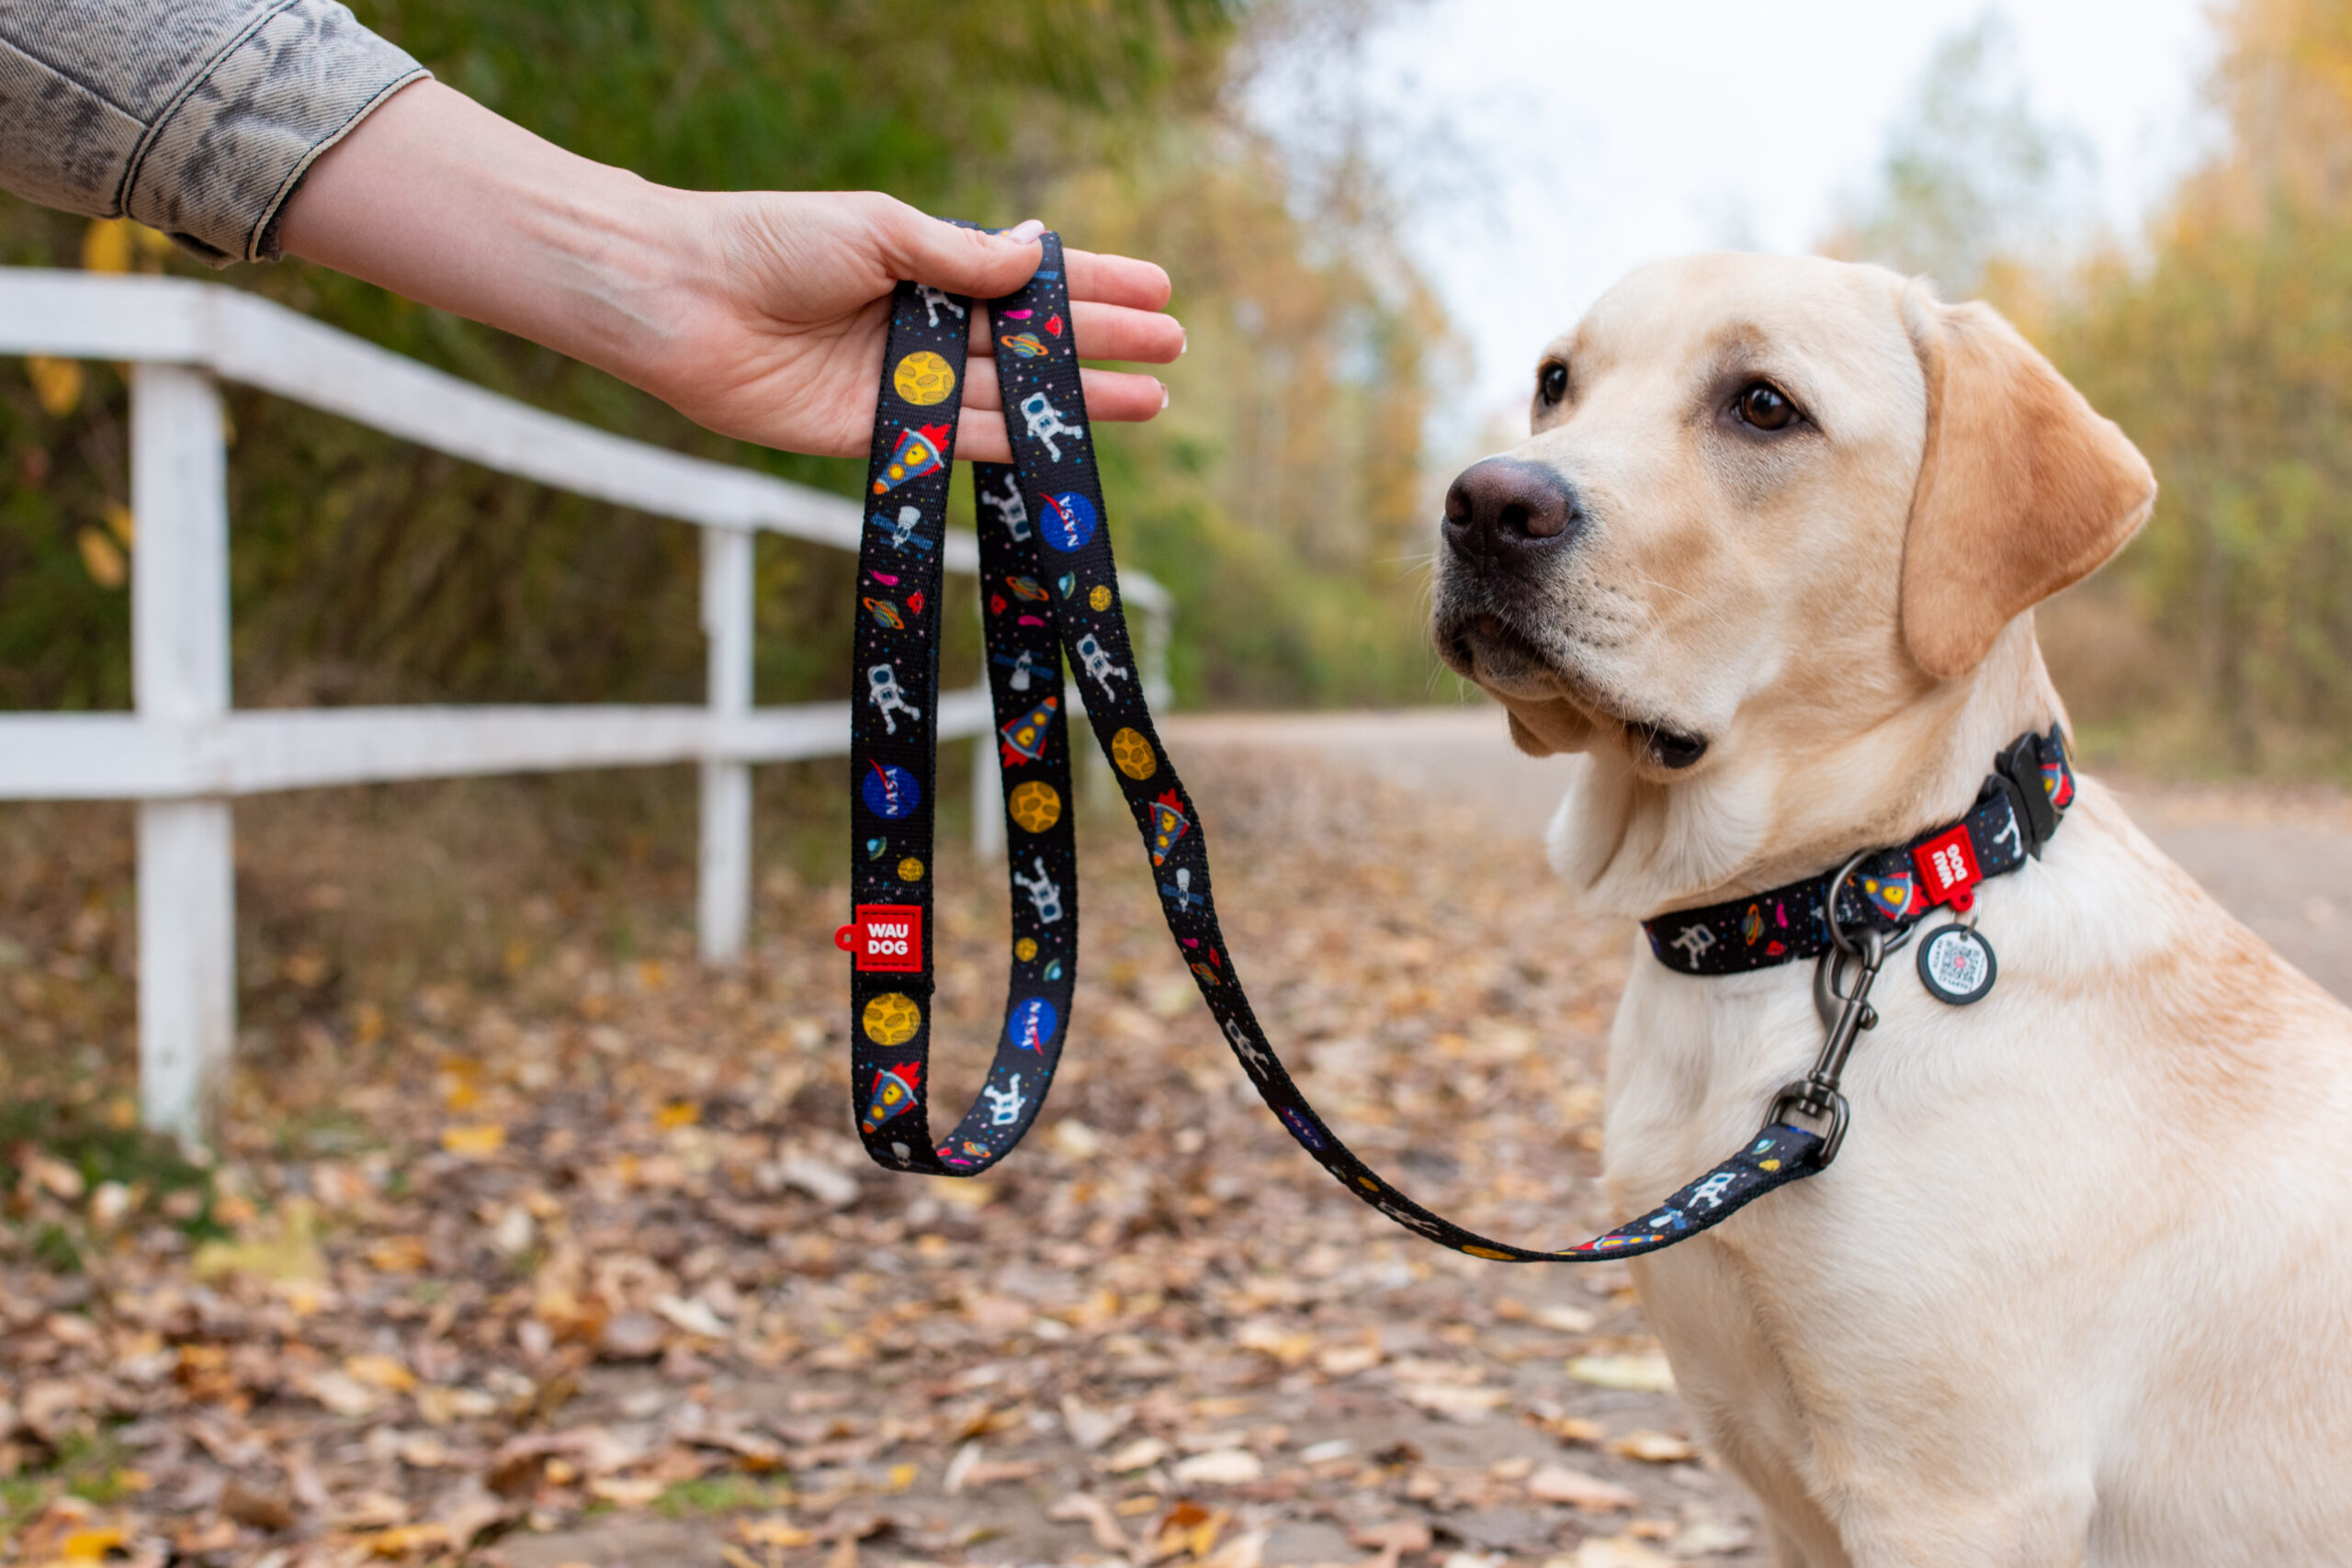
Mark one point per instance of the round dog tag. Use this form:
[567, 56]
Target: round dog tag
[1957, 965]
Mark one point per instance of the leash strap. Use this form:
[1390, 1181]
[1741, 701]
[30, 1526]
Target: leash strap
[894, 731]
[1050, 587]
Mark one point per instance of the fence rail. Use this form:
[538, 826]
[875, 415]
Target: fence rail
[184, 753]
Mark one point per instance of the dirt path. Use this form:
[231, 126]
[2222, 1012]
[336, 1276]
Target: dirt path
[560, 1254]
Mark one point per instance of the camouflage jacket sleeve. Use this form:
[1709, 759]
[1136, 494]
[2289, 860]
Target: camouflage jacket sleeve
[195, 117]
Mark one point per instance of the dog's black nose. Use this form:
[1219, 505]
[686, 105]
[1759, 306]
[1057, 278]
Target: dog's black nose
[1506, 508]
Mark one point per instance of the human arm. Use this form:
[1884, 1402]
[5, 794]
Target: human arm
[762, 315]
[193, 116]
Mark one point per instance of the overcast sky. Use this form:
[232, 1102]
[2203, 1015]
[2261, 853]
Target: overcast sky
[1593, 134]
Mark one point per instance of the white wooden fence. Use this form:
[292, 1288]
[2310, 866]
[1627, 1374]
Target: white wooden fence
[183, 751]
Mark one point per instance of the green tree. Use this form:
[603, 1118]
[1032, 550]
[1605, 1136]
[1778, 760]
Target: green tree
[2227, 356]
[1971, 175]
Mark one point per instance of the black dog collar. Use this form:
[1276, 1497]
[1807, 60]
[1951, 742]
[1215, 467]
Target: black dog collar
[2025, 796]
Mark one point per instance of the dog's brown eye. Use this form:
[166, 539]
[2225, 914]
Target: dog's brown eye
[1762, 404]
[1552, 382]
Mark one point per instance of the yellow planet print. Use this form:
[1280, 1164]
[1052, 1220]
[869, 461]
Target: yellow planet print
[910, 869]
[1035, 805]
[1101, 598]
[1025, 949]
[923, 378]
[892, 1017]
[1134, 754]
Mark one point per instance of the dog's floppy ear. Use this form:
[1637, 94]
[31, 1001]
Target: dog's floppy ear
[2023, 488]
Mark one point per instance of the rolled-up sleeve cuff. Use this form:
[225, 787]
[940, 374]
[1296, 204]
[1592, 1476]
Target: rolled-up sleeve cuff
[217, 166]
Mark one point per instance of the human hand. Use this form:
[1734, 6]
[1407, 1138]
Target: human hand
[780, 332]
[761, 314]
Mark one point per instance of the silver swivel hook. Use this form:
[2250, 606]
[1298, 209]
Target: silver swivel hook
[1844, 1013]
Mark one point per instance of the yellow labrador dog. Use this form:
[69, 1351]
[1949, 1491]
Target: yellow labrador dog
[2078, 1288]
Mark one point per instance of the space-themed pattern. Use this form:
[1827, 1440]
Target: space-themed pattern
[895, 743]
[1050, 592]
[2022, 801]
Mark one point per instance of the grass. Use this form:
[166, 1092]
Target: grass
[724, 1495]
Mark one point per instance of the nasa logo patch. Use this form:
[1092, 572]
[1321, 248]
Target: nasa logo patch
[1957, 965]
[1069, 520]
[891, 792]
[1031, 1026]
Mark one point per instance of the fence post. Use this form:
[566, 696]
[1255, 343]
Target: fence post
[988, 800]
[179, 645]
[724, 909]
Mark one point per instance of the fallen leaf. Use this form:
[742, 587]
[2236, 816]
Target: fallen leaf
[773, 1532]
[1638, 1374]
[1344, 1360]
[960, 1468]
[695, 1316]
[1091, 1429]
[627, 1492]
[1393, 1539]
[1468, 1405]
[476, 1140]
[91, 1545]
[1080, 1507]
[1219, 1467]
[378, 1370]
[1247, 1550]
[343, 1393]
[632, 1336]
[1617, 1551]
[1141, 1454]
[397, 1254]
[1653, 1447]
[288, 1253]
[1703, 1534]
[1558, 1484]
[1188, 1527]
[1565, 1318]
[262, 1510]
[406, 1540]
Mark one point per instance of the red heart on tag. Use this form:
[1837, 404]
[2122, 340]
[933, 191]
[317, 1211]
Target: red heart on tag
[996, 603]
[1054, 325]
[915, 603]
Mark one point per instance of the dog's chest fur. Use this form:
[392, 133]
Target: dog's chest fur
[1992, 1268]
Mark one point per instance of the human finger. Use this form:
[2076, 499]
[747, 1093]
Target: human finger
[980, 437]
[1123, 396]
[1108, 332]
[925, 249]
[1116, 280]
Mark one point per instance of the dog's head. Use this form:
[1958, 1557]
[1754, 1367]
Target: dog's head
[1775, 515]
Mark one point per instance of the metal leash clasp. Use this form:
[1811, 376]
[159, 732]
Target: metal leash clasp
[1844, 1013]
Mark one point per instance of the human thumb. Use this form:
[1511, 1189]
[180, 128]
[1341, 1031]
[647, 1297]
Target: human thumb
[968, 261]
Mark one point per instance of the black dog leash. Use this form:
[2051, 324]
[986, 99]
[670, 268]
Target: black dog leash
[1050, 588]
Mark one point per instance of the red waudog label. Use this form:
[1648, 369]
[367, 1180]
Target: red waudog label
[1947, 866]
[884, 936]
